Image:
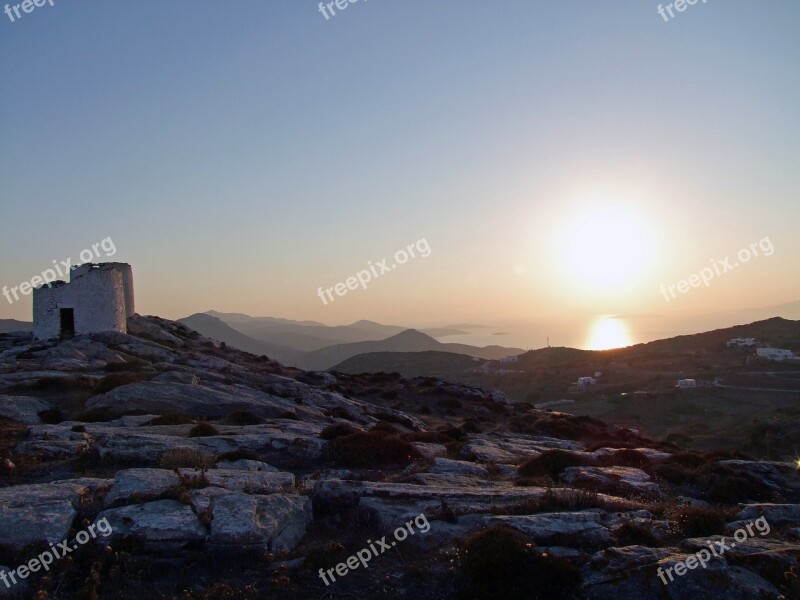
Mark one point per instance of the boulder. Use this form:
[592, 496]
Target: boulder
[164, 524]
[23, 409]
[242, 521]
[611, 479]
[562, 529]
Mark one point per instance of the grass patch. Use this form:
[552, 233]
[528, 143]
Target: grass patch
[203, 429]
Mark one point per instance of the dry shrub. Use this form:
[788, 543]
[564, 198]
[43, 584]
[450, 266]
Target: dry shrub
[331, 432]
[203, 429]
[551, 463]
[554, 500]
[630, 534]
[500, 562]
[371, 449]
[625, 457]
[241, 418]
[95, 415]
[697, 521]
[185, 458]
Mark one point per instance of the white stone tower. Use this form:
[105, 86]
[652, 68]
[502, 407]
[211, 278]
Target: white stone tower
[99, 297]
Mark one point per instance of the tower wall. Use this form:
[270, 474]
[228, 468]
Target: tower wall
[100, 296]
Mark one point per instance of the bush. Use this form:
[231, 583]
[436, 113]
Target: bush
[728, 485]
[193, 459]
[242, 417]
[170, 419]
[203, 429]
[697, 521]
[500, 562]
[674, 473]
[554, 500]
[385, 428]
[324, 555]
[685, 459]
[372, 449]
[626, 458]
[95, 415]
[449, 403]
[331, 432]
[550, 463]
[51, 416]
[630, 534]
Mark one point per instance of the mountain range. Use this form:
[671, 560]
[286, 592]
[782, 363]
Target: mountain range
[315, 346]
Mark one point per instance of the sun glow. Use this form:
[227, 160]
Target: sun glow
[608, 332]
[605, 246]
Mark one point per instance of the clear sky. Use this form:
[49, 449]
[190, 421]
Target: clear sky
[559, 158]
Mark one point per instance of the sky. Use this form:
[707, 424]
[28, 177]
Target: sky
[560, 160]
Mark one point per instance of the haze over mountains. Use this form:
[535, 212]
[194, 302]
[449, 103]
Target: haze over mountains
[313, 345]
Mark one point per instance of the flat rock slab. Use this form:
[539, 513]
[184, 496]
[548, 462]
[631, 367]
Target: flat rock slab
[43, 513]
[133, 486]
[22, 409]
[717, 580]
[212, 400]
[38, 523]
[611, 479]
[777, 515]
[559, 528]
[274, 522]
[249, 482]
[166, 524]
[458, 467]
[244, 464]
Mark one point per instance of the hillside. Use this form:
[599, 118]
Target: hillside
[407, 341]
[429, 363]
[12, 325]
[216, 329]
[307, 336]
[211, 473]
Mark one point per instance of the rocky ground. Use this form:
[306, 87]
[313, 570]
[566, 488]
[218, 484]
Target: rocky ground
[213, 473]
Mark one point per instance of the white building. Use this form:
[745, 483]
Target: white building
[586, 381]
[509, 359]
[97, 298]
[741, 342]
[774, 353]
[687, 383]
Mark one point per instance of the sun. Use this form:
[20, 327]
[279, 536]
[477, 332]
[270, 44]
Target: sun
[605, 247]
[608, 332]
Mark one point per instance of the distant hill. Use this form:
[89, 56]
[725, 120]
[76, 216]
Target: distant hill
[430, 363]
[307, 336]
[410, 340]
[13, 326]
[776, 331]
[215, 328]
